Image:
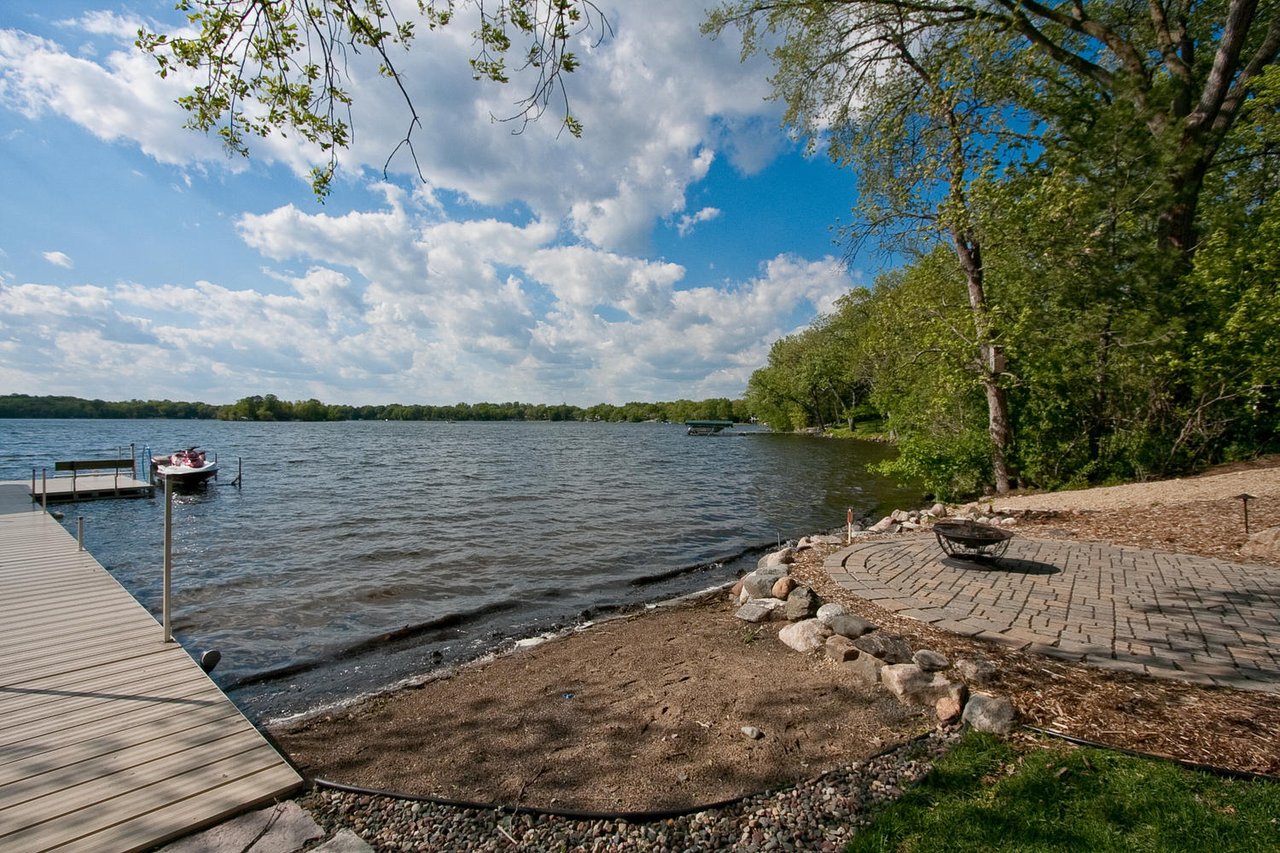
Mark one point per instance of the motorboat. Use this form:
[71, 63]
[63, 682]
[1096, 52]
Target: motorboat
[188, 467]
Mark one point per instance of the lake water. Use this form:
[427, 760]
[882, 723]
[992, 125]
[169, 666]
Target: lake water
[358, 554]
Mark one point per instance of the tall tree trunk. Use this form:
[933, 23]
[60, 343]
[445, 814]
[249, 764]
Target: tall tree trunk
[992, 362]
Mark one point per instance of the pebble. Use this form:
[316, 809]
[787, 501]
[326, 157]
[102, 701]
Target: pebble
[818, 814]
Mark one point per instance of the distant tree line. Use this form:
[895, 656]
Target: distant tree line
[26, 406]
[269, 407]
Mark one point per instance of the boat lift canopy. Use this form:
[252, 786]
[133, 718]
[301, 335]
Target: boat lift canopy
[707, 427]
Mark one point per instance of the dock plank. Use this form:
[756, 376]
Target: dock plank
[112, 739]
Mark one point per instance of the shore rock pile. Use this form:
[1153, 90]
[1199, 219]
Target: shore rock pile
[920, 677]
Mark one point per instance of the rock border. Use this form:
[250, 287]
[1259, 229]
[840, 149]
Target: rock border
[957, 692]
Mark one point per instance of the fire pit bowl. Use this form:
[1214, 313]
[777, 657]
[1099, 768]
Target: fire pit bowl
[970, 540]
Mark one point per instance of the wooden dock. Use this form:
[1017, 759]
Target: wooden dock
[110, 738]
[86, 487]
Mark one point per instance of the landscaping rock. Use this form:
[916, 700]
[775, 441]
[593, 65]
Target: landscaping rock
[866, 667]
[848, 625]
[987, 713]
[782, 588]
[930, 661]
[840, 649]
[827, 611]
[977, 672]
[752, 732]
[805, 636]
[938, 510]
[1263, 544]
[760, 610]
[760, 582]
[948, 708]
[890, 648]
[913, 685]
[885, 525]
[784, 557]
[802, 603]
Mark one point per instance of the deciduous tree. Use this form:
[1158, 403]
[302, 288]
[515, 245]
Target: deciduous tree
[281, 66]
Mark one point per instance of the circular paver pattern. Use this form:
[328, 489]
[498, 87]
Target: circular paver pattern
[1168, 615]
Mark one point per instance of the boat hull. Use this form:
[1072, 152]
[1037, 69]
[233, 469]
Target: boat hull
[183, 475]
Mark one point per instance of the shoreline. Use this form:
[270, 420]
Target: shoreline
[824, 802]
[421, 680]
[546, 681]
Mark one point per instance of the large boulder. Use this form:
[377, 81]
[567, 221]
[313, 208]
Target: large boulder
[848, 625]
[866, 667]
[760, 610]
[832, 609]
[884, 525]
[840, 649]
[808, 635]
[977, 672]
[930, 661]
[784, 557]
[890, 648]
[1263, 545]
[783, 586]
[802, 603]
[759, 584]
[913, 685]
[987, 713]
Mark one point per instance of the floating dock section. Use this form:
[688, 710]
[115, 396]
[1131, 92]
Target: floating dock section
[111, 739]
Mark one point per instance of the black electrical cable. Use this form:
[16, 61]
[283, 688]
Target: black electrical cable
[1225, 772]
[630, 817]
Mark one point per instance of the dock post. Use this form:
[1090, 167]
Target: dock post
[80, 531]
[44, 489]
[168, 557]
[239, 471]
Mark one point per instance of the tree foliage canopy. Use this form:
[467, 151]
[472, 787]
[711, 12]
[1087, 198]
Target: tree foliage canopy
[1105, 176]
[269, 66]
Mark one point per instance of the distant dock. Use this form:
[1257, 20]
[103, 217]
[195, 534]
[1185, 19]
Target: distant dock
[112, 739]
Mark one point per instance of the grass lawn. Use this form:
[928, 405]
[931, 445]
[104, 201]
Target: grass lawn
[1045, 795]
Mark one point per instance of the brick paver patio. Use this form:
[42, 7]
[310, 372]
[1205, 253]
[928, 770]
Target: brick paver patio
[1169, 615]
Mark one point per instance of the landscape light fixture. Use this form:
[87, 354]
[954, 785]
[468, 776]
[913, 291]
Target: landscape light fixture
[1244, 498]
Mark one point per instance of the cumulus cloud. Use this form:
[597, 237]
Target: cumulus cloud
[518, 268]
[118, 98]
[59, 259]
[686, 224]
[657, 99]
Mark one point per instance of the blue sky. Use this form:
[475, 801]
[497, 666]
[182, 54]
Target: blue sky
[657, 257]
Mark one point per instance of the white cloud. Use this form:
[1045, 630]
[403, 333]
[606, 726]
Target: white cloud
[649, 97]
[59, 259]
[687, 222]
[441, 292]
[117, 99]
